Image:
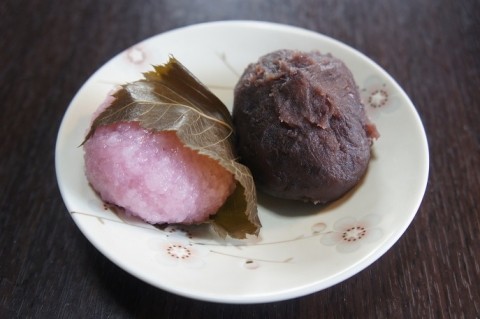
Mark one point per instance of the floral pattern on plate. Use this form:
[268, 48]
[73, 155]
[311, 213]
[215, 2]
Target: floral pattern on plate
[177, 246]
[176, 249]
[348, 233]
[378, 97]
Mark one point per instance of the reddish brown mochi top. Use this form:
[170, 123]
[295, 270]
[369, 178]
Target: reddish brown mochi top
[301, 127]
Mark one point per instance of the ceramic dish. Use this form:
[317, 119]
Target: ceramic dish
[302, 248]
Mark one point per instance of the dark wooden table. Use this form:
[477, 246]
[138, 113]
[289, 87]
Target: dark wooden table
[49, 48]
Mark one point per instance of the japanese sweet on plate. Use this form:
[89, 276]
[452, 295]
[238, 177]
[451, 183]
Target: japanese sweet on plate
[301, 126]
[160, 148]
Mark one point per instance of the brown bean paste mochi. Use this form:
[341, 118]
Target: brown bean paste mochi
[301, 127]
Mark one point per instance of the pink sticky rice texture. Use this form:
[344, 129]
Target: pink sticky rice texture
[154, 176]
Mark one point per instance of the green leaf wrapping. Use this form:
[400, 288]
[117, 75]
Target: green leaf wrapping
[170, 98]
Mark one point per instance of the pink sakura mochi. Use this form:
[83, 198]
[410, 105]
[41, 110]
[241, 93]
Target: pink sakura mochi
[153, 175]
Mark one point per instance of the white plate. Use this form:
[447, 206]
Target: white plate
[300, 249]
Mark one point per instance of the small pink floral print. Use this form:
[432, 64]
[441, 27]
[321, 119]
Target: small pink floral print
[377, 96]
[181, 253]
[251, 264]
[349, 234]
[176, 249]
[318, 228]
[136, 55]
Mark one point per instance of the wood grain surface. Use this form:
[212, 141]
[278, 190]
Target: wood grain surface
[48, 49]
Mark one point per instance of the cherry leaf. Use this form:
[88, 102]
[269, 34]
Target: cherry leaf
[170, 98]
